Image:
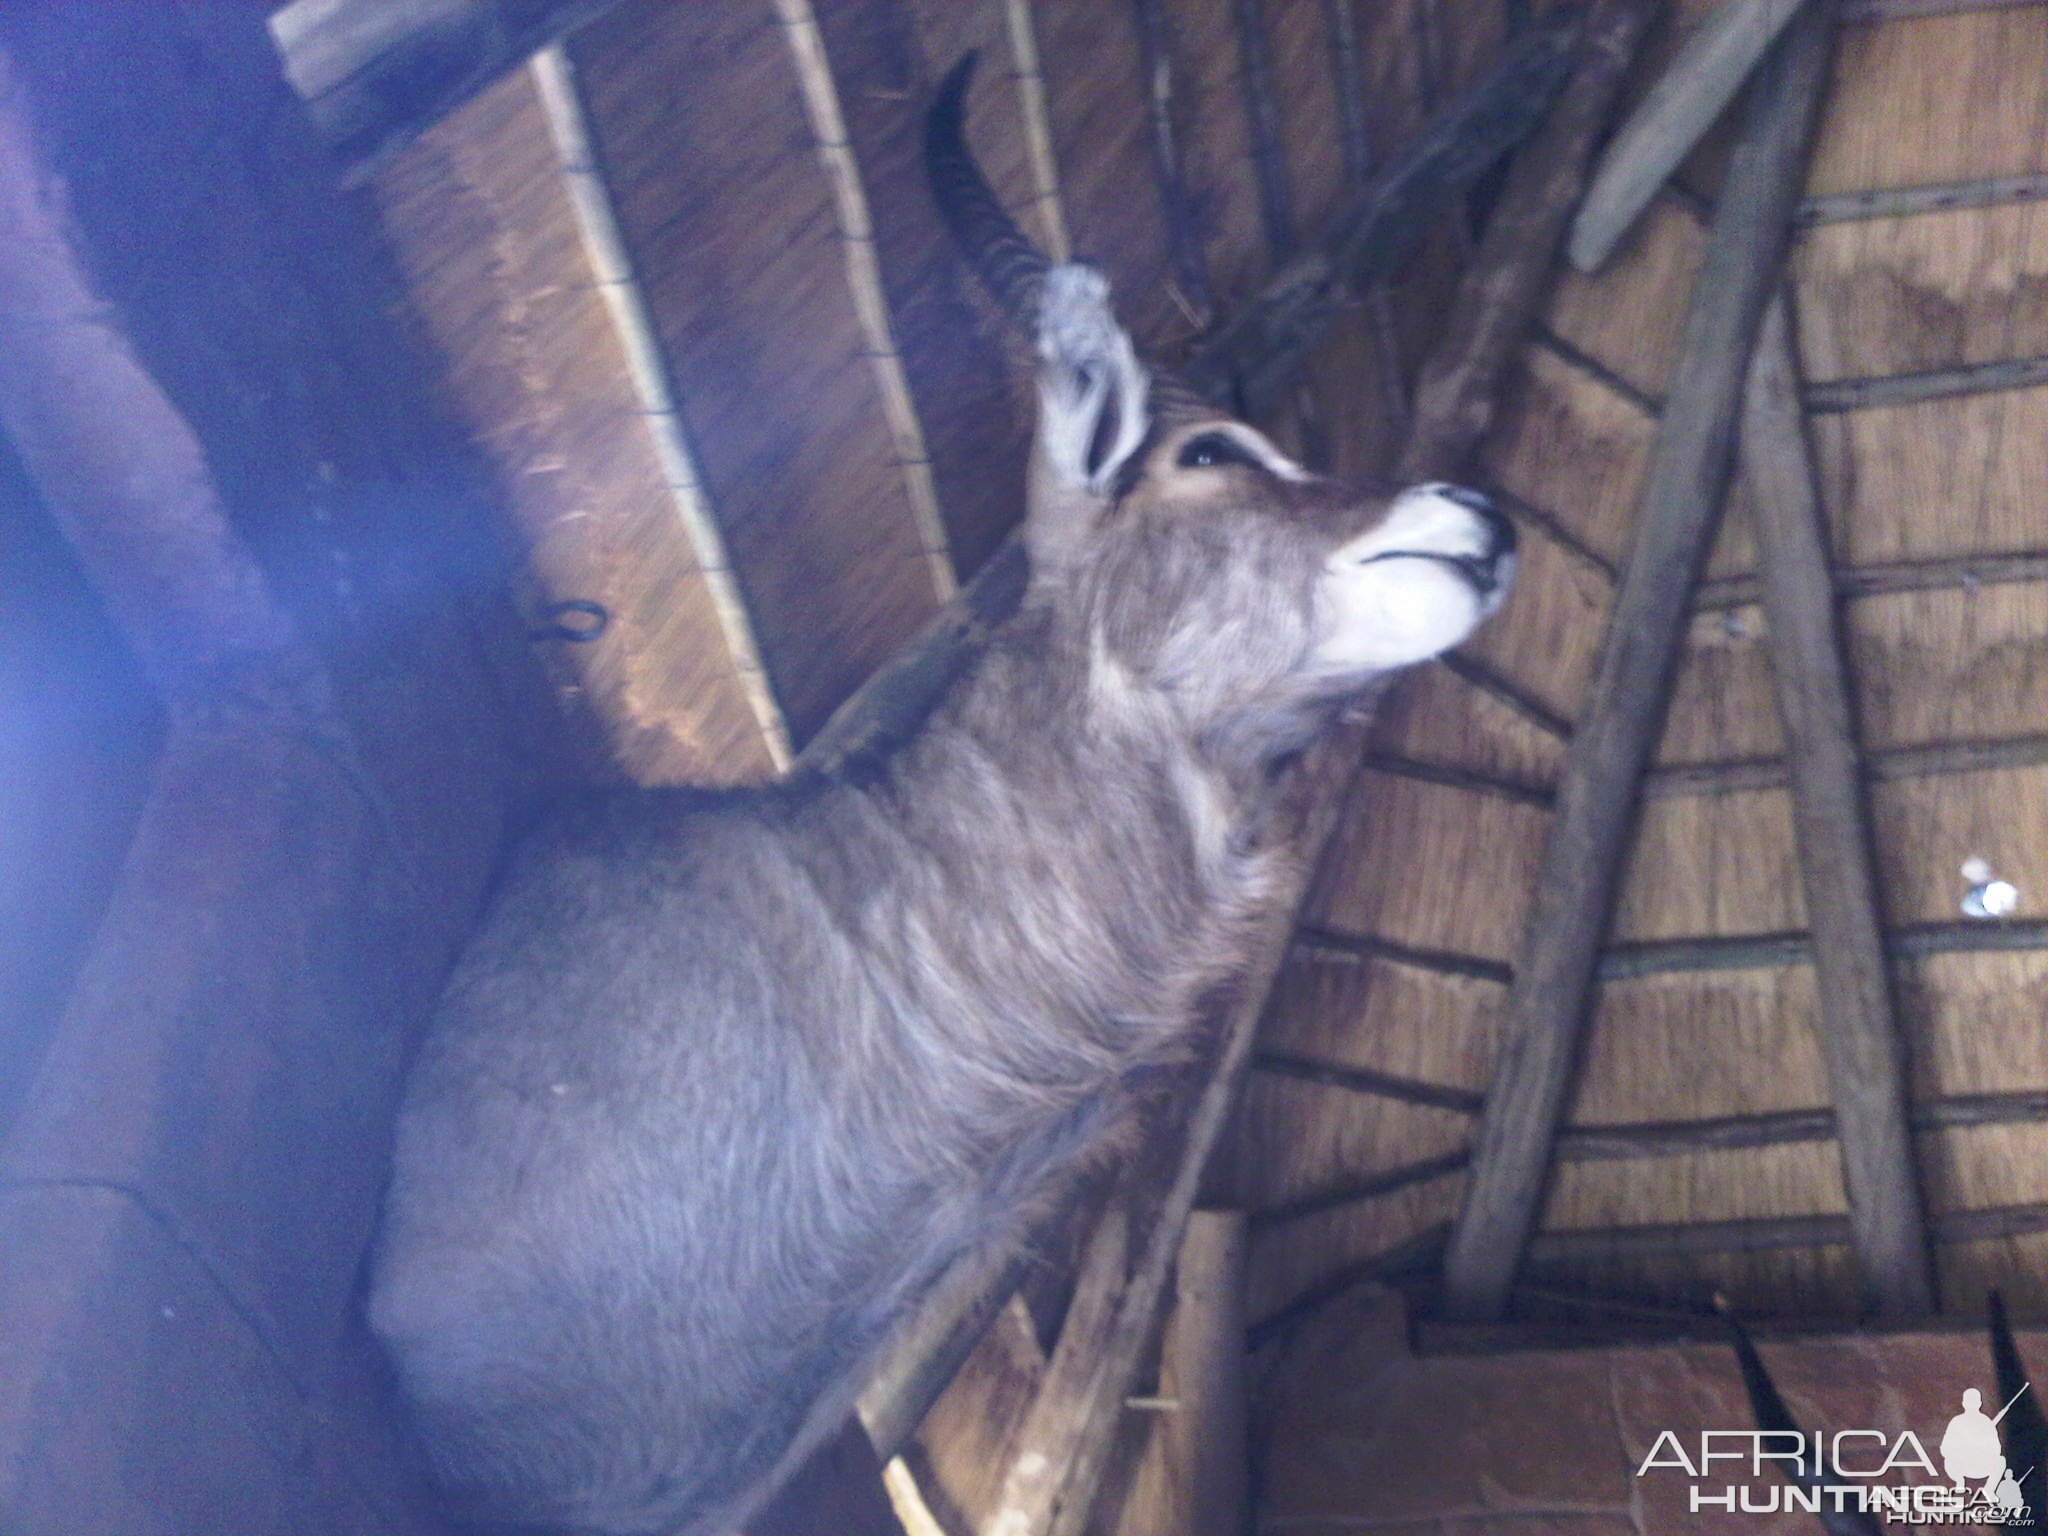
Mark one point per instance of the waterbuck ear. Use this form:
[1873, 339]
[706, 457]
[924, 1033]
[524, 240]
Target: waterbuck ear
[1092, 413]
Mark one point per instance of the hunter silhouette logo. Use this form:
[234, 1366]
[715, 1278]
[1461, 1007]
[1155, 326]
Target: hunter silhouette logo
[1856, 1480]
[1971, 1450]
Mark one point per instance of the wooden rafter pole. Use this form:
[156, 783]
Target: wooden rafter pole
[1693, 92]
[375, 76]
[1860, 1035]
[1356, 140]
[1262, 111]
[1587, 846]
[1183, 228]
[1498, 304]
[1049, 1442]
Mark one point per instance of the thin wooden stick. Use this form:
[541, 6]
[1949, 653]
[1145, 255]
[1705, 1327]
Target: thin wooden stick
[1937, 573]
[1470, 669]
[1367, 1186]
[1554, 528]
[1366, 1080]
[1628, 1141]
[1926, 197]
[1775, 951]
[1934, 384]
[1330, 943]
[1757, 1234]
[1931, 760]
[1453, 776]
[1585, 363]
[1262, 111]
[1659, 957]
[1652, 1138]
[1184, 235]
[1414, 1255]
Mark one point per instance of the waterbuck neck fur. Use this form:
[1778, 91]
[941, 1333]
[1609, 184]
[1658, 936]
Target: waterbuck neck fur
[723, 1082]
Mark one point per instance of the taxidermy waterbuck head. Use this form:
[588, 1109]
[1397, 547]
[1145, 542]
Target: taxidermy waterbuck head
[1211, 569]
[724, 1082]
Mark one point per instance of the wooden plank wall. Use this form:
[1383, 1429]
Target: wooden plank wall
[1436, 867]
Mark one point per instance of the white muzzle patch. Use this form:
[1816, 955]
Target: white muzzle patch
[1437, 564]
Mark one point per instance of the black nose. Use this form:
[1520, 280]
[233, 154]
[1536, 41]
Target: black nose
[1500, 529]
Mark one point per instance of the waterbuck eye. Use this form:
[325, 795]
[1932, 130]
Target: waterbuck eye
[1215, 448]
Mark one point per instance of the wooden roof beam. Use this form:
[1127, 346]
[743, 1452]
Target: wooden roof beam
[1702, 80]
[377, 74]
[1587, 845]
[1860, 1035]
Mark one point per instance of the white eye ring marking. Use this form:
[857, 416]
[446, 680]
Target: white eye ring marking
[1255, 445]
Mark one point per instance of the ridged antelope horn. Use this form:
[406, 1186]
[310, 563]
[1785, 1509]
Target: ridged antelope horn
[1002, 256]
[1010, 267]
